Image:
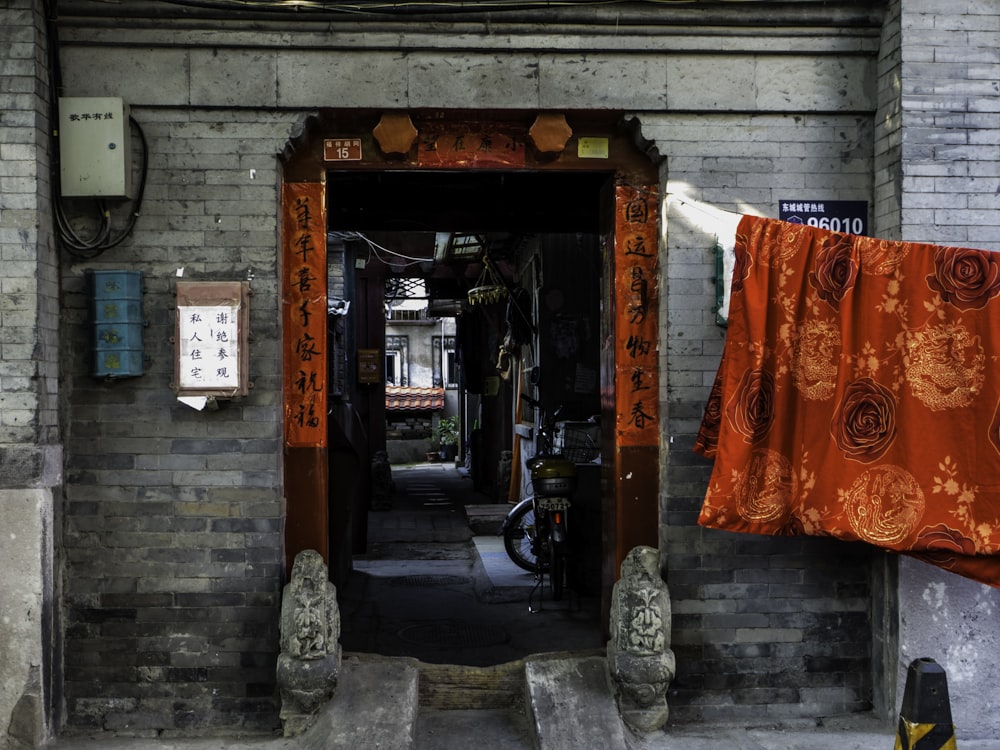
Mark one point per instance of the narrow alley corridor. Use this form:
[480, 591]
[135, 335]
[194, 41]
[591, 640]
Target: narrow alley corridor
[434, 588]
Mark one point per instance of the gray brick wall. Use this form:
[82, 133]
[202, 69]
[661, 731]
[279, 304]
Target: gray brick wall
[173, 516]
[949, 106]
[172, 531]
[950, 103]
[763, 627]
[889, 131]
[30, 451]
[29, 315]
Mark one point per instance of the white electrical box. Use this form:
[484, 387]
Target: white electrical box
[94, 153]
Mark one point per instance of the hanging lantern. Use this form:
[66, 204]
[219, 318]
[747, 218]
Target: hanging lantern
[488, 289]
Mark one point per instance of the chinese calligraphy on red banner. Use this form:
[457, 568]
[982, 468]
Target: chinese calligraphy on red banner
[304, 309]
[471, 148]
[636, 304]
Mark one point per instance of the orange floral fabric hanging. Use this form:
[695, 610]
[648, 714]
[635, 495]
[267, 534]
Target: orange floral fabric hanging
[859, 395]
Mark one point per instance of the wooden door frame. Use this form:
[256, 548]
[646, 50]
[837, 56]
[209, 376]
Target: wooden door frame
[630, 368]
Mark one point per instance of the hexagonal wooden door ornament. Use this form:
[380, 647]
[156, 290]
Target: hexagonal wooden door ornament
[395, 133]
[550, 133]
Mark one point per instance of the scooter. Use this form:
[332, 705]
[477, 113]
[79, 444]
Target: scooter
[535, 532]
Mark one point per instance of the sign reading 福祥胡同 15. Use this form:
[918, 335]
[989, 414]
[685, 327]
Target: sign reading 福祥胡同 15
[849, 217]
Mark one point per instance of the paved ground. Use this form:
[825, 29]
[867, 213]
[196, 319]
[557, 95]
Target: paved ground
[428, 589]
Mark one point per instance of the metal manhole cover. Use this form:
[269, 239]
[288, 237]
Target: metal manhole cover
[427, 580]
[454, 634]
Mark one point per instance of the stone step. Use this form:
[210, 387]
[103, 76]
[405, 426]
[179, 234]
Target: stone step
[557, 701]
[485, 520]
[479, 729]
[571, 705]
[452, 687]
[375, 706]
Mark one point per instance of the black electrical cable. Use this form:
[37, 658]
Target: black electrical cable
[380, 7]
[102, 239]
[87, 249]
[411, 8]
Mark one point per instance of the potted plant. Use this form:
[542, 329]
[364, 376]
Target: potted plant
[446, 432]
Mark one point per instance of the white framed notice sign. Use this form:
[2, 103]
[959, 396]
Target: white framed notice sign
[211, 339]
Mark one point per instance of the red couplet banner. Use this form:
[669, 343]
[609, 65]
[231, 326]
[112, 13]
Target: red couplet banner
[304, 310]
[635, 325]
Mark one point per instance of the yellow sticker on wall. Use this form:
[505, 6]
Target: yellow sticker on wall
[592, 148]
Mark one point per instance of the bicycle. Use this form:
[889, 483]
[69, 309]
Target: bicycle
[535, 531]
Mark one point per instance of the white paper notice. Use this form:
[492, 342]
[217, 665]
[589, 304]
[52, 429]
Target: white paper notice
[208, 352]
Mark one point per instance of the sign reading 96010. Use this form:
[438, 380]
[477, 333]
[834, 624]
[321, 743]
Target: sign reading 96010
[850, 217]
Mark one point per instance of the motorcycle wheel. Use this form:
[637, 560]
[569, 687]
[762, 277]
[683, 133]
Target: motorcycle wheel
[557, 571]
[520, 539]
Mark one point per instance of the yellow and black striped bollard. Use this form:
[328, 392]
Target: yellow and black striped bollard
[925, 716]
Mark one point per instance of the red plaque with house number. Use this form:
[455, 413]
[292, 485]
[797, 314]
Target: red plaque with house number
[342, 149]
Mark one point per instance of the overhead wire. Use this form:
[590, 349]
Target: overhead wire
[374, 248]
[414, 6]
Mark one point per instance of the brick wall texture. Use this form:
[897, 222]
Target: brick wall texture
[171, 546]
[29, 281]
[763, 628]
[950, 107]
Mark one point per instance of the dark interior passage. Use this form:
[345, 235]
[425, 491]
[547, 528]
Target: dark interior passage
[418, 585]
[438, 589]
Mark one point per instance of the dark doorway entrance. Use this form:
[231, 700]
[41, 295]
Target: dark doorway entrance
[470, 606]
[326, 437]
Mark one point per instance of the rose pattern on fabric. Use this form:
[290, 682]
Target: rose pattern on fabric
[952, 550]
[945, 366]
[861, 404]
[864, 424]
[941, 538]
[741, 268]
[765, 488]
[751, 410]
[965, 278]
[884, 505]
[815, 358]
[707, 439]
[835, 270]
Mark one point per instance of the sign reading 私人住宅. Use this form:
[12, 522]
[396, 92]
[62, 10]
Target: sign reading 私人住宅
[211, 335]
